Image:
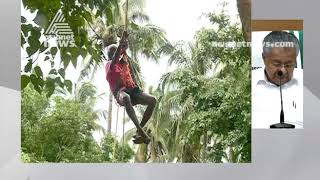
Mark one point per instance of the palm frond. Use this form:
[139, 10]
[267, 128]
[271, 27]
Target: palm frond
[147, 39]
[181, 53]
[165, 49]
[139, 17]
[86, 91]
[100, 128]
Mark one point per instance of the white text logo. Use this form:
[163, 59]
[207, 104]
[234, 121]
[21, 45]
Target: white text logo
[61, 30]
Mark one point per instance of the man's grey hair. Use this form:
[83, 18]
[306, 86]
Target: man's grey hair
[111, 49]
[280, 37]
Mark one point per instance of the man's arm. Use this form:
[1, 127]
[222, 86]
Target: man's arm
[123, 45]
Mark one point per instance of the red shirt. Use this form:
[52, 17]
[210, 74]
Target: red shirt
[119, 72]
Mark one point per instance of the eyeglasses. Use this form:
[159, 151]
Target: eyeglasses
[280, 65]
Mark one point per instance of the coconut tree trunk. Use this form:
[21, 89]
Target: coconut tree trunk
[117, 120]
[110, 113]
[123, 123]
[244, 9]
[153, 152]
[141, 155]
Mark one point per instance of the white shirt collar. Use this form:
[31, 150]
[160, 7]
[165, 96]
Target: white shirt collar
[259, 77]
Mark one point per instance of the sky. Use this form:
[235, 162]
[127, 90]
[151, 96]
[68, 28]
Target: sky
[180, 19]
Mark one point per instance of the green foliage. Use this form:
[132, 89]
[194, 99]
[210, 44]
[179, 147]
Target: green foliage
[78, 17]
[57, 133]
[56, 129]
[209, 114]
[114, 151]
[108, 147]
[123, 153]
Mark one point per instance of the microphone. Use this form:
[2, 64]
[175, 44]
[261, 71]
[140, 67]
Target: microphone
[281, 124]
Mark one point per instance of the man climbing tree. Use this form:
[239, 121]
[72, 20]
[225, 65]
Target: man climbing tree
[123, 84]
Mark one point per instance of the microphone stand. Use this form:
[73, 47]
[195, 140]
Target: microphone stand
[282, 124]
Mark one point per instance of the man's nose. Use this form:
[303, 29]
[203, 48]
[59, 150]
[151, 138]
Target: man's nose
[283, 69]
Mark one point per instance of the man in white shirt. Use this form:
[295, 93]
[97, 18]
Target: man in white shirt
[266, 104]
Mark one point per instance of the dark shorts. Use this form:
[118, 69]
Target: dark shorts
[133, 93]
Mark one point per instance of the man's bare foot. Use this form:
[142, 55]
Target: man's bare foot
[139, 139]
[144, 129]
